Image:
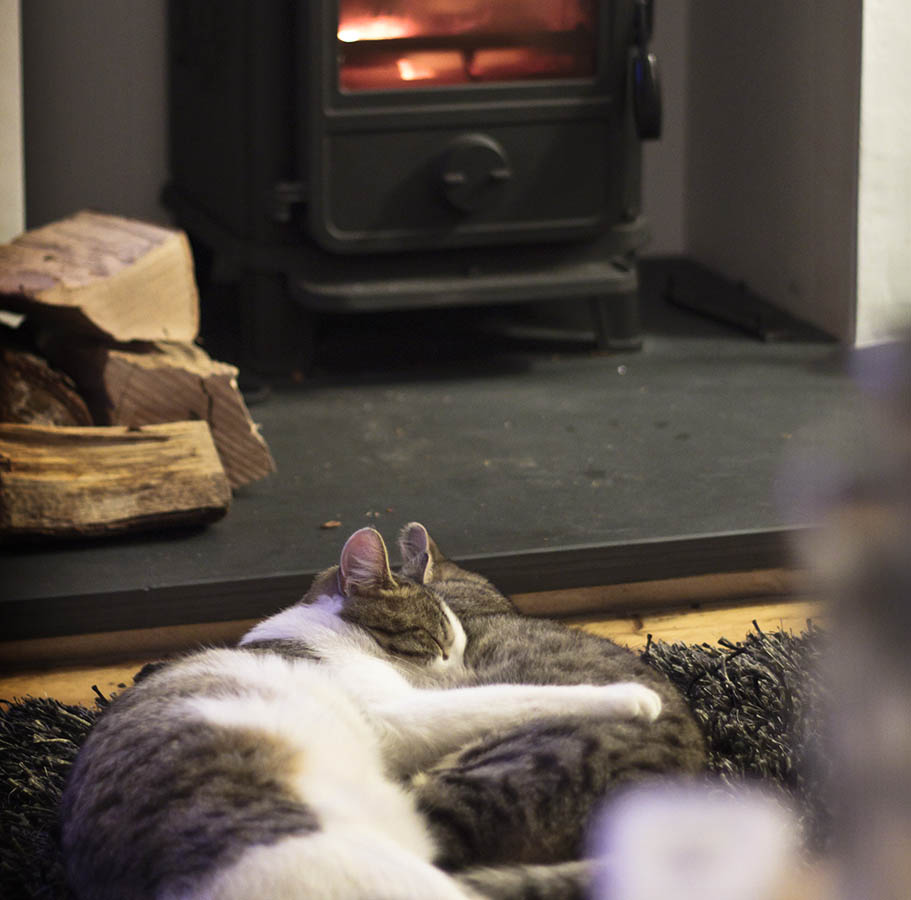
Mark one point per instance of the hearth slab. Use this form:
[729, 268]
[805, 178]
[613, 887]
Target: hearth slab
[543, 463]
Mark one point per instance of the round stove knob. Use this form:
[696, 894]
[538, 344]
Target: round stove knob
[474, 172]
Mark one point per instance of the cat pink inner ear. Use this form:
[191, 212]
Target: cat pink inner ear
[364, 560]
[414, 542]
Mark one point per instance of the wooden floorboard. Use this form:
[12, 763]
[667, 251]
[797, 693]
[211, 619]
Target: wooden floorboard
[70, 685]
[706, 623]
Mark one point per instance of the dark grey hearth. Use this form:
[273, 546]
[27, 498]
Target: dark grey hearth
[544, 462]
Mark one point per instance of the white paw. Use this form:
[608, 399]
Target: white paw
[629, 700]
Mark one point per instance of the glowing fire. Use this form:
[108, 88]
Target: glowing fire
[468, 50]
[376, 28]
[411, 72]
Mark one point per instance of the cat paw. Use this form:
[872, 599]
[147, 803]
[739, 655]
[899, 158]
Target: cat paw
[630, 700]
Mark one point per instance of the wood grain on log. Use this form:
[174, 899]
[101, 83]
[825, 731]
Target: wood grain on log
[90, 481]
[105, 276]
[163, 381]
[31, 392]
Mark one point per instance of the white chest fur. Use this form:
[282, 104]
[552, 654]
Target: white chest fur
[338, 768]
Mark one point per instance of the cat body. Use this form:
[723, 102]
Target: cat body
[280, 768]
[527, 794]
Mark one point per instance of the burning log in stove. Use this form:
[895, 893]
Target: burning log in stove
[465, 58]
[464, 42]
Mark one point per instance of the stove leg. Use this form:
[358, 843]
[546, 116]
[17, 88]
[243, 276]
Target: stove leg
[616, 321]
[276, 333]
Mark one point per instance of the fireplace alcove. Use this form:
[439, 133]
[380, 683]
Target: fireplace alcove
[357, 155]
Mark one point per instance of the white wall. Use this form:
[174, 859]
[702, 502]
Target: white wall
[95, 112]
[884, 209]
[12, 204]
[770, 195]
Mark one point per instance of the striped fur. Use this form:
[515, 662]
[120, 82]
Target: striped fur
[526, 795]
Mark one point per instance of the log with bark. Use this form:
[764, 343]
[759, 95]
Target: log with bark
[75, 482]
[113, 303]
[152, 382]
[31, 392]
[105, 276]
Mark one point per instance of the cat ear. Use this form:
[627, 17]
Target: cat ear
[417, 555]
[364, 562]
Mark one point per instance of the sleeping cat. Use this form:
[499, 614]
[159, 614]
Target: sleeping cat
[526, 793]
[276, 769]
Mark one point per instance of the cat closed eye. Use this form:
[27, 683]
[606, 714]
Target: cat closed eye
[443, 651]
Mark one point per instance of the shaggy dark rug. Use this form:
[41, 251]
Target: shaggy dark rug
[756, 701]
[760, 705]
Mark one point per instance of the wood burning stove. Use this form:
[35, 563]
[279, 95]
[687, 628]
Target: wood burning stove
[371, 154]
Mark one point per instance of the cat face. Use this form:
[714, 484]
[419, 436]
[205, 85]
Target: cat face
[400, 614]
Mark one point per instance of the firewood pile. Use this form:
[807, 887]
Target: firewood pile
[112, 418]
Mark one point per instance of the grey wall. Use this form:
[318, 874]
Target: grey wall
[95, 121]
[772, 148]
[664, 161]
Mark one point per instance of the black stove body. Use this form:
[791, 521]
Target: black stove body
[371, 154]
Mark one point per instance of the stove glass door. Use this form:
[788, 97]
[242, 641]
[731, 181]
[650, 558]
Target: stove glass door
[403, 44]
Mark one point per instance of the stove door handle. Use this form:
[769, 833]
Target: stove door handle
[646, 95]
[646, 87]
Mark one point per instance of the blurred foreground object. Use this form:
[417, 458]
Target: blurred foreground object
[695, 842]
[862, 555]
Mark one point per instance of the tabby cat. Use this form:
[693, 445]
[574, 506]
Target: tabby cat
[526, 793]
[279, 769]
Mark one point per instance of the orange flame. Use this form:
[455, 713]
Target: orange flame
[376, 28]
[411, 72]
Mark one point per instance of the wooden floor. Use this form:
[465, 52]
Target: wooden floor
[697, 623]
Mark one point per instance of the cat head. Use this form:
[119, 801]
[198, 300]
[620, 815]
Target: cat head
[400, 614]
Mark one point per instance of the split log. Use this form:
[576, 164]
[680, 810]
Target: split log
[106, 276]
[81, 481]
[148, 383]
[78, 482]
[31, 392]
